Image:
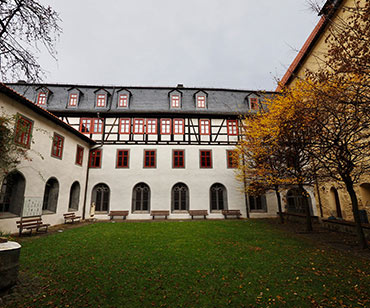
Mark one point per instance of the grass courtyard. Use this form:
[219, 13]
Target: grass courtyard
[188, 264]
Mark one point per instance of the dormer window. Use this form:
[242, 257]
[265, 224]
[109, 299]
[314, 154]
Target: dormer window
[253, 101]
[123, 100]
[201, 101]
[41, 98]
[175, 101]
[73, 98]
[100, 100]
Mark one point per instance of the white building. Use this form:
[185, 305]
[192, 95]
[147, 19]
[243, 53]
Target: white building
[156, 148]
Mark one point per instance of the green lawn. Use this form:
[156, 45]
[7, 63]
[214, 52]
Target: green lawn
[189, 264]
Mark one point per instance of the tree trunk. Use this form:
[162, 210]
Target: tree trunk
[279, 204]
[356, 214]
[307, 209]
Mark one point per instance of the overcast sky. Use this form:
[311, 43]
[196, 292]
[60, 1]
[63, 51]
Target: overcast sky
[241, 44]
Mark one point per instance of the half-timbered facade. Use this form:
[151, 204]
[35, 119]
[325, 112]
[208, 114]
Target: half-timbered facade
[158, 148]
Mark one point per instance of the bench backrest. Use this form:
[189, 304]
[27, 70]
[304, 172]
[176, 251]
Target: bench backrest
[160, 212]
[29, 221]
[69, 215]
[118, 213]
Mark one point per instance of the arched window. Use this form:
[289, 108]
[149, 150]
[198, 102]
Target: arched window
[180, 197]
[258, 203]
[100, 196]
[51, 193]
[334, 200]
[296, 201]
[141, 198]
[365, 194]
[74, 197]
[218, 197]
[12, 194]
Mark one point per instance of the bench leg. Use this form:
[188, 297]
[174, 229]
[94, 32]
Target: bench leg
[153, 217]
[205, 217]
[165, 217]
[192, 217]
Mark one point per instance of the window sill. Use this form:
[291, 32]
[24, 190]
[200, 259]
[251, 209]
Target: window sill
[4, 215]
[72, 210]
[47, 212]
[140, 212]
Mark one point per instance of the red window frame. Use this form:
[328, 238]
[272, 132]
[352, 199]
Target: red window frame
[231, 162]
[57, 146]
[125, 126]
[151, 126]
[178, 126]
[175, 101]
[95, 158]
[139, 126]
[178, 159]
[201, 101]
[150, 159]
[79, 155]
[205, 159]
[101, 100]
[166, 126]
[204, 127]
[232, 127]
[123, 157]
[91, 125]
[41, 98]
[73, 97]
[123, 100]
[254, 103]
[23, 131]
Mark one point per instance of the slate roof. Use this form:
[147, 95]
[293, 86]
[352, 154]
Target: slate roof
[41, 111]
[142, 100]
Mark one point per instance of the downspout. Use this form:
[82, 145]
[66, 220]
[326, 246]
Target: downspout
[245, 189]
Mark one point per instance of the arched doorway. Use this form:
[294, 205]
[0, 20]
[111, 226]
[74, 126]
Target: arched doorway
[74, 197]
[141, 198]
[296, 201]
[334, 200]
[218, 197]
[12, 193]
[180, 197]
[51, 193]
[100, 196]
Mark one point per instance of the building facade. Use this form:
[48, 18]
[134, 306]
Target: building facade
[156, 148]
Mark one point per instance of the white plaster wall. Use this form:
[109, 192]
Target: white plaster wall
[42, 166]
[162, 178]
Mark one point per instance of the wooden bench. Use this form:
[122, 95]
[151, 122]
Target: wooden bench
[71, 217]
[231, 213]
[193, 213]
[160, 213]
[31, 223]
[124, 214]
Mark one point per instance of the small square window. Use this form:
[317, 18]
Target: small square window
[206, 159]
[100, 100]
[73, 97]
[124, 126]
[57, 146]
[79, 155]
[178, 126]
[122, 158]
[166, 126]
[139, 127]
[151, 126]
[201, 101]
[232, 127]
[149, 159]
[123, 100]
[231, 161]
[23, 131]
[95, 158]
[204, 127]
[254, 103]
[175, 101]
[41, 98]
[178, 159]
